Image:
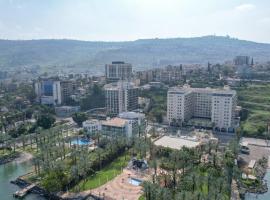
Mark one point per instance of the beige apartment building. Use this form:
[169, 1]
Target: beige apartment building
[217, 105]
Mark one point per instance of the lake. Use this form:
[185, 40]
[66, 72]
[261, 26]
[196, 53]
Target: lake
[265, 196]
[11, 171]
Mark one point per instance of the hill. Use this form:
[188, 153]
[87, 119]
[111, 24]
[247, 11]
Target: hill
[142, 53]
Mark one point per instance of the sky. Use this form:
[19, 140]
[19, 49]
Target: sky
[123, 20]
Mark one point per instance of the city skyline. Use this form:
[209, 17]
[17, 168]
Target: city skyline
[121, 20]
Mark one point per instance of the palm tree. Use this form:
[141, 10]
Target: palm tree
[154, 165]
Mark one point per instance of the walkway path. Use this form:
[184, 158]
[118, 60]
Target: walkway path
[120, 188]
[256, 142]
[117, 189]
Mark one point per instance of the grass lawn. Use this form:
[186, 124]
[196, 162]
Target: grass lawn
[256, 99]
[142, 198]
[28, 149]
[5, 152]
[104, 175]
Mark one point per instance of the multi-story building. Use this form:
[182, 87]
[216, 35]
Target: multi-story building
[244, 66]
[3, 74]
[241, 60]
[118, 70]
[92, 126]
[67, 89]
[48, 91]
[217, 105]
[169, 74]
[121, 97]
[136, 120]
[145, 76]
[116, 127]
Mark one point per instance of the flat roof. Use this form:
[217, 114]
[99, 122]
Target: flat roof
[118, 122]
[251, 164]
[176, 142]
[211, 91]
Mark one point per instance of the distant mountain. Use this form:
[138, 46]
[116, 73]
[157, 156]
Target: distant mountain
[143, 53]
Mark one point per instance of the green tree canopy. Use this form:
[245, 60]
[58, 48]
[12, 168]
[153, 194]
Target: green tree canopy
[45, 121]
[79, 118]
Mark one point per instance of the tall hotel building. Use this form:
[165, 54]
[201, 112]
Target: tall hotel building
[121, 97]
[117, 71]
[217, 105]
[48, 91]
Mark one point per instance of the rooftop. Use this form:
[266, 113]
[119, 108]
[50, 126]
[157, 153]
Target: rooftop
[91, 122]
[119, 84]
[131, 115]
[187, 89]
[117, 122]
[176, 142]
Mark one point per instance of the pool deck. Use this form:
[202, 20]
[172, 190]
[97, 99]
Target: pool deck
[120, 188]
[117, 189]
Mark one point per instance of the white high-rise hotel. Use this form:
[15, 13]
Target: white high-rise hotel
[218, 105]
[121, 97]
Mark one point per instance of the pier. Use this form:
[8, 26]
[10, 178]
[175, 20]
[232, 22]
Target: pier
[21, 193]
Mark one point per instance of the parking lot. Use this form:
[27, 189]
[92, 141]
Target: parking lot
[258, 150]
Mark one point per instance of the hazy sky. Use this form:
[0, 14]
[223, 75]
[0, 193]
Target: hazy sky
[134, 19]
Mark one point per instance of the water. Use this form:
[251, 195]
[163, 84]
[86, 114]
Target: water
[11, 171]
[134, 181]
[81, 141]
[265, 196]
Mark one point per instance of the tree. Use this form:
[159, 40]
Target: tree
[94, 99]
[45, 121]
[79, 118]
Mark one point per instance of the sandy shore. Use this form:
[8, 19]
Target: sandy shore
[24, 157]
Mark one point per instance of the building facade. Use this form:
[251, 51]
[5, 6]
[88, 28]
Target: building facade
[242, 60]
[121, 97]
[217, 105]
[118, 70]
[92, 126]
[116, 127]
[169, 74]
[68, 88]
[136, 120]
[48, 92]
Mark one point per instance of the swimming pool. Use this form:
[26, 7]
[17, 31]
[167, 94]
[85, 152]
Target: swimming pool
[81, 141]
[135, 181]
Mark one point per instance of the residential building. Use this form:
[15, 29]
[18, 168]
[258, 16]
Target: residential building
[48, 91]
[68, 88]
[169, 74]
[244, 66]
[92, 126]
[217, 105]
[242, 60]
[121, 97]
[116, 127]
[145, 76]
[3, 74]
[118, 70]
[136, 120]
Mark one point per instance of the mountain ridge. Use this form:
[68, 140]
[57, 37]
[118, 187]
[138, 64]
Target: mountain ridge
[142, 53]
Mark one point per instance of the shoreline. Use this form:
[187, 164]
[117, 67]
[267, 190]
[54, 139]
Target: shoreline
[9, 158]
[18, 157]
[24, 156]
